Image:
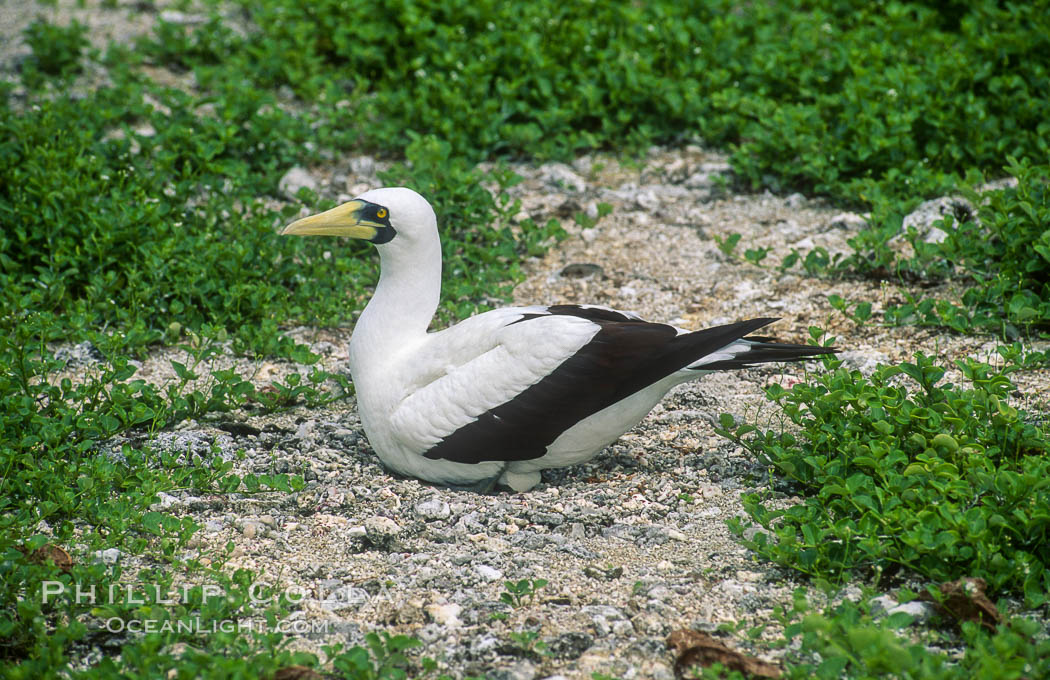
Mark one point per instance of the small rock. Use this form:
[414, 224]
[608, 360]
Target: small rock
[882, 604]
[930, 212]
[521, 670]
[699, 180]
[647, 200]
[676, 535]
[172, 16]
[488, 573]
[305, 430]
[709, 490]
[550, 519]
[732, 589]
[364, 166]
[602, 627]
[164, 501]
[581, 270]
[83, 354]
[583, 164]
[865, 361]
[753, 531]
[659, 592]
[108, 556]
[610, 574]
[606, 611]
[484, 644]
[294, 180]
[381, 530]
[325, 349]
[559, 175]
[569, 646]
[446, 614]
[998, 185]
[651, 625]
[433, 509]
[716, 167]
[251, 528]
[847, 220]
[920, 611]
[461, 559]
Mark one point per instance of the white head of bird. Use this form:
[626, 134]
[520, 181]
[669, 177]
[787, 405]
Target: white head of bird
[403, 227]
[381, 216]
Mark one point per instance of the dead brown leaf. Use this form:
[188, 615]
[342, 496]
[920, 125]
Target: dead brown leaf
[693, 648]
[297, 673]
[53, 553]
[964, 600]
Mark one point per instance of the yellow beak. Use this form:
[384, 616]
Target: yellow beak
[342, 220]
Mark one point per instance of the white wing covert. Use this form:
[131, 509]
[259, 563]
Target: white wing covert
[481, 364]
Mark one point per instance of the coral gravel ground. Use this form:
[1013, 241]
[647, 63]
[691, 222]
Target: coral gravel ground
[634, 544]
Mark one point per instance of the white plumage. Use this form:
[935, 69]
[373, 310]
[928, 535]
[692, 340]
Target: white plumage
[510, 392]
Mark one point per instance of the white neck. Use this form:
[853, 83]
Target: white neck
[403, 305]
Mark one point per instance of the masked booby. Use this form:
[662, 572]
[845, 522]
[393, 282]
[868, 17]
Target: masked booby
[507, 393]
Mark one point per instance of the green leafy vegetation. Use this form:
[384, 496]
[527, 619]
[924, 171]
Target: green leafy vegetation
[528, 643]
[904, 471]
[521, 593]
[846, 641]
[855, 99]
[56, 51]
[994, 262]
[1004, 255]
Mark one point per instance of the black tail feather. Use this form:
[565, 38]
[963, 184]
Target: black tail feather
[765, 350]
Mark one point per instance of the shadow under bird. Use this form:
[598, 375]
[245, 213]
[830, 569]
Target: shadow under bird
[507, 393]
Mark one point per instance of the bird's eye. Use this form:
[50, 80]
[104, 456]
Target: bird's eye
[381, 213]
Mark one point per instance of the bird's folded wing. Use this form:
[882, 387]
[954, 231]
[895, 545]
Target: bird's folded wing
[476, 367]
[541, 375]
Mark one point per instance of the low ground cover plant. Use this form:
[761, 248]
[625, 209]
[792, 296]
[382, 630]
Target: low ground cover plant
[855, 100]
[901, 470]
[1002, 255]
[906, 477]
[848, 640]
